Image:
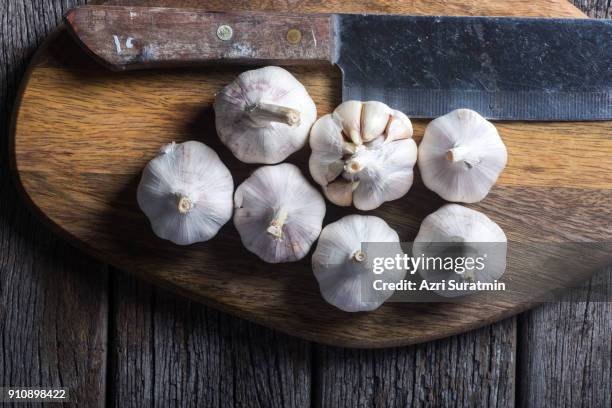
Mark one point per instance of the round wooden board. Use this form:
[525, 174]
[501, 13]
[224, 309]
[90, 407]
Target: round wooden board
[82, 136]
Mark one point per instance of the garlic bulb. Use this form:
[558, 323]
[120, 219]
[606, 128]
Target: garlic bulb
[461, 156]
[278, 213]
[264, 115]
[343, 265]
[186, 192]
[457, 232]
[363, 154]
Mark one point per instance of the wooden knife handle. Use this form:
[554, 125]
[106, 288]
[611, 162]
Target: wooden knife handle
[141, 37]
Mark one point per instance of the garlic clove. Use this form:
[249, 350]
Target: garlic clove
[343, 267]
[367, 196]
[278, 214]
[340, 192]
[374, 119]
[349, 113]
[461, 156]
[325, 167]
[377, 168]
[466, 230]
[264, 115]
[326, 135]
[186, 192]
[327, 141]
[399, 127]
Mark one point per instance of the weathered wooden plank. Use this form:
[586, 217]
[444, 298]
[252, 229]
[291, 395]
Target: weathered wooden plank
[565, 349]
[474, 369]
[53, 299]
[169, 351]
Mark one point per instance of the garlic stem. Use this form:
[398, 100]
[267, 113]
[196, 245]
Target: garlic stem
[183, 204]
[462, 154]
[268, 112]
[276, 226]
[358, 256]
[358, 160]
[354, 166]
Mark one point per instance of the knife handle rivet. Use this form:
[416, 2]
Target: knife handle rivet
[294, 36]
[224, 32]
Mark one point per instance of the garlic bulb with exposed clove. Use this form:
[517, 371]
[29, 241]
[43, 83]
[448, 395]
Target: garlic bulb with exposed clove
[264, 115]
[343, 263]
[461, 156]
[470, 247]
[186, 192]
[363, 154]
[278, 213]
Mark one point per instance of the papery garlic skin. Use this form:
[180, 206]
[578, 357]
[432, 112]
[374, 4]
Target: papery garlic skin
[461, 156]
[471, 231]
[363, 154]
[278, 213]
[344, 268]
[264, 115]
[186, 192]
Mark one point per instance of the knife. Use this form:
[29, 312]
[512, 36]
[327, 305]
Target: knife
[504, 68]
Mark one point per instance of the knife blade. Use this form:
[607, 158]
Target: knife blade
[504, 68]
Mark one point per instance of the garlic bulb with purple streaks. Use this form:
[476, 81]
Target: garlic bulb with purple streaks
[460, 233]
[186, 192]
[278, 213]
[461, 156]
[264, 115]
[363, 154]
[343, 265]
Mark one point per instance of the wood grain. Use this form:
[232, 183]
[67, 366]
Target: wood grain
[386, 377]
[18, 232]
[80, 162]
[549, 8]
[565, 349]
[474, 369]
[169, 351]
[134, 38]
[563, 346]
[595, 8]
[19, 227]
[53, 298]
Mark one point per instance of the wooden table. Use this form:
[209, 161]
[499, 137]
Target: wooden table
[67, 320]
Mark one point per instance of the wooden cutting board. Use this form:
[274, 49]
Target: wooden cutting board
[82, 136]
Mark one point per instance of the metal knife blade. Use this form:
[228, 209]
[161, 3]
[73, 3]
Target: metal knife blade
[504, 68]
